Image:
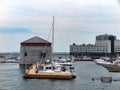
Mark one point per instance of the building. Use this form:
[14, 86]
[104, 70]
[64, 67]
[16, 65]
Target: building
[104, 45]
[34, 49]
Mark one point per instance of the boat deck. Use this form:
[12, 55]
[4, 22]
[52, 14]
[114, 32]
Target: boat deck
[32, 69]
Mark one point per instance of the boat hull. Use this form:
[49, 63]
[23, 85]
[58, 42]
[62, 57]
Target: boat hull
[49, 76]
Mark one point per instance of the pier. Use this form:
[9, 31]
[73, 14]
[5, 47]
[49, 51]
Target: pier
[112, 68]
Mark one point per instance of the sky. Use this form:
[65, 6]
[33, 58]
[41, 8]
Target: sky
[76, 21]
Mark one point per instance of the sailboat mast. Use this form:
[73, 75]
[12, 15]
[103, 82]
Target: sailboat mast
[53, 38]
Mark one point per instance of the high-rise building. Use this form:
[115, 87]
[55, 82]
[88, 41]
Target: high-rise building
[104, 45]
[105, 37]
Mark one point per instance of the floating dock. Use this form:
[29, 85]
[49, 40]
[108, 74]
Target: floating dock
[106, 79]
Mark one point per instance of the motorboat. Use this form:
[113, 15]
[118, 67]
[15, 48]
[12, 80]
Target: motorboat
[65, 62]
[103, 61]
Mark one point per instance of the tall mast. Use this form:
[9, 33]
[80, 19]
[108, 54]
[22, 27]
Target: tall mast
[53, 37]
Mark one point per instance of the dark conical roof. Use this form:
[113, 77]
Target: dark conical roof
[36, 39]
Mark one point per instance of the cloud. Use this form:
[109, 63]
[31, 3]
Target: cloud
[76, 20]
[9, 30]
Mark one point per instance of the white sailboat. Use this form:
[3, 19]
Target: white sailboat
[50, 70]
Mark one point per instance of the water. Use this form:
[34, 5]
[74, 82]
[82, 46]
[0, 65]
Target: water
[11, 79]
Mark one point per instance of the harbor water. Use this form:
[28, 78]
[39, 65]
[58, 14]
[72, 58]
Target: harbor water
[11, 78]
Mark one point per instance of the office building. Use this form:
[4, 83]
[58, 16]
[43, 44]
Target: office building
[104, 45]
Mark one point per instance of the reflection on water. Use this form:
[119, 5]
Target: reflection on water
[11, 78]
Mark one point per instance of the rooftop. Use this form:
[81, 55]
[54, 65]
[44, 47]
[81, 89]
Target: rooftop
[36, 39]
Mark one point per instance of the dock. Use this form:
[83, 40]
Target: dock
[112, 68]
[8, 61]
[79, 59]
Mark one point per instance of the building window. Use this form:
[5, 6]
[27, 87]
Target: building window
[25, 54]
[42, 55]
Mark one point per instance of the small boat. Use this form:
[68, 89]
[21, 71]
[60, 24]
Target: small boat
[83, 58]
[86, 58]
[103, 61]
[117, 62]
[65, 62]
[107, 61]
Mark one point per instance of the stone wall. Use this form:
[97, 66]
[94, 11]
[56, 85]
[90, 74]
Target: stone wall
[33, 54]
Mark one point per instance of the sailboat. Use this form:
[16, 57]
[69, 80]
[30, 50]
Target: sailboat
[50, 70]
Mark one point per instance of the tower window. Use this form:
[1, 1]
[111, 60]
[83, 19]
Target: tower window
[43, 55]
[25, 54]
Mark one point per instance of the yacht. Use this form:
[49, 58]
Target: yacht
[50, 70]
[103, 61]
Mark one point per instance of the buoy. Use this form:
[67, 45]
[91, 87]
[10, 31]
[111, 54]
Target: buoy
[93, 79]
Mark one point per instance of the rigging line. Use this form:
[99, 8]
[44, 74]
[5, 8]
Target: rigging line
[46, 44]
[61, 36]
[53, 38]
[45, 47]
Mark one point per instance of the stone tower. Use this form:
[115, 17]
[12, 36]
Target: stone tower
[34, 50]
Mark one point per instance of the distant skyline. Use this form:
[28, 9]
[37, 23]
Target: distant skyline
[76, 21]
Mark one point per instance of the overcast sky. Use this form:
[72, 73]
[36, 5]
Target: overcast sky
[76, 21]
